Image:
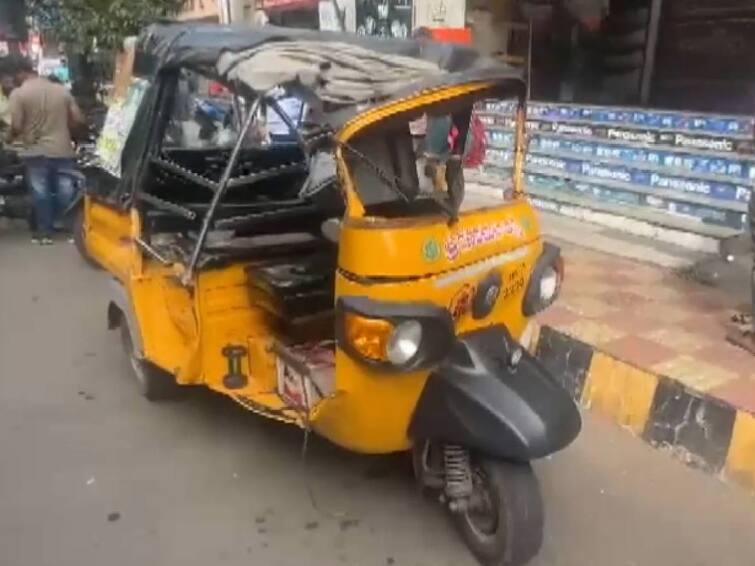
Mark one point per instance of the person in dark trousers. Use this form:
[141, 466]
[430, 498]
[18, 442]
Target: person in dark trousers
[42, 115]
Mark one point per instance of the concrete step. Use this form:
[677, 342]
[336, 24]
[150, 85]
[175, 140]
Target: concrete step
[562, 229]
[613, 242]
[726, 212]
[680, 231]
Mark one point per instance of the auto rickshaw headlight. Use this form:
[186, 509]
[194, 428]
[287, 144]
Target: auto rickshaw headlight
[404, 342]
[393, 336]
[545, 281]
[368, 336]
[549, 282]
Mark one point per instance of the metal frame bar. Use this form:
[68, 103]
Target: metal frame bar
[176, 169]
[220, 192]
[266, 174]
[152, 251]
[166, 205]
[280, 214]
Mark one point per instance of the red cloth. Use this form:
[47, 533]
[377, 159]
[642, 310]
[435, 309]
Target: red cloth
[476, 147]
[216, 89]
[452, 35]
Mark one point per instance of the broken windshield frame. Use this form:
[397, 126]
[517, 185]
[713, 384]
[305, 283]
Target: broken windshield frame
[415, 167]
[396, 185]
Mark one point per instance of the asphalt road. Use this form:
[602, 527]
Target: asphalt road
[92, 474]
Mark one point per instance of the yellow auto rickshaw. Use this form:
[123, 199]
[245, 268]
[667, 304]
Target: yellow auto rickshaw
[276, 240]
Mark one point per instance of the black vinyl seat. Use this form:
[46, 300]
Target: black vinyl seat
[296, 287]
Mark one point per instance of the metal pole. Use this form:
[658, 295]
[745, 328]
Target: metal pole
[340, 15]
[529, 61]
[224, 9]
[520, 140]
[222, 186]
[654, 25]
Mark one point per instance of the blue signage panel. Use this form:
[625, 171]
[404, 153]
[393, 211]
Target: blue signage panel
[737, 126]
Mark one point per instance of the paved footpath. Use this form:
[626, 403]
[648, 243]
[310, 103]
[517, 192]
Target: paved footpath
[645, 313]
[654, 319]
[93, 474]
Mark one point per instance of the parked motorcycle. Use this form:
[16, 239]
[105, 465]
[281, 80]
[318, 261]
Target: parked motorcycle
[15, 198]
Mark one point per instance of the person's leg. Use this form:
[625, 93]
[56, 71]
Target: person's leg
[37, 178]
[65, 189]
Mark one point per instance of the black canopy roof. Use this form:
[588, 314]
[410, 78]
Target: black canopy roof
[354, 62]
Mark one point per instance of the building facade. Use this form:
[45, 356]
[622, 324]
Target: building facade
[219, 11]
[201, 11]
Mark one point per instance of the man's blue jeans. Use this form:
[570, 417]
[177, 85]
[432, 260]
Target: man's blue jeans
[51, 181]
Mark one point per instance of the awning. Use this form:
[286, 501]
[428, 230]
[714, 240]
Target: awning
[280, 5]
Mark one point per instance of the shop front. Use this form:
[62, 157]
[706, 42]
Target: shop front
[640, 109]
[293, 13]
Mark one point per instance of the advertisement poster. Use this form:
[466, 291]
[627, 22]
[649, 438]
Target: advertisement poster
[384, 18]
[439, 14]
[330, 19]
[120, 118]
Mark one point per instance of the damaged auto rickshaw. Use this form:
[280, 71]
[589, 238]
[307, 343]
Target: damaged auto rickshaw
[300, 267]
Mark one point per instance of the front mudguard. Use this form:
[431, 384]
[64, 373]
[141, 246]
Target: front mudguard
[485, 400]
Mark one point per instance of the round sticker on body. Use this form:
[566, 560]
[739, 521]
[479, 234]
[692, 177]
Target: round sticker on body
[430, 250]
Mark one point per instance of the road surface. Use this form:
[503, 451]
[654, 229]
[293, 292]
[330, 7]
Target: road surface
[92, 474]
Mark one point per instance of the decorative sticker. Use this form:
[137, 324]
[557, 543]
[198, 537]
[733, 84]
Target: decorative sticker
[430, 250]
[462, 301]
[471, 238]
[118, 122]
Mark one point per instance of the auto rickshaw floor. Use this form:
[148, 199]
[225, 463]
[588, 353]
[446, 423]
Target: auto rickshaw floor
[93, 474]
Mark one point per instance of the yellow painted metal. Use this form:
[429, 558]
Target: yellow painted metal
[619, 391]
[411, 247]
[167, 322]
[740, 461]
[365, 119]
[184, 329]
[372, 409]
[108, 236]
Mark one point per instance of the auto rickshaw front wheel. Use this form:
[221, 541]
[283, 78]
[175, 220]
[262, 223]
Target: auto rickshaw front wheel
[154, 383]
[502, 524]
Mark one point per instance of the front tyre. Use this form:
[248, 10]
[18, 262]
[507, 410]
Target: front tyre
[503, 522]
[154, 383]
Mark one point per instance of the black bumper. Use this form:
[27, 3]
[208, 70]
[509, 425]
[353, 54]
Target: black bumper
[479, 400]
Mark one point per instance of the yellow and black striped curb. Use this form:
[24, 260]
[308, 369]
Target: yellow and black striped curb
[701, 430]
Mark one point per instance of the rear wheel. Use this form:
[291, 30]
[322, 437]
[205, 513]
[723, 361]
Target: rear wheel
[503, 522]
[154, 383]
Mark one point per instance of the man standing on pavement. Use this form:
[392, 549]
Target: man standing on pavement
[42, 116]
